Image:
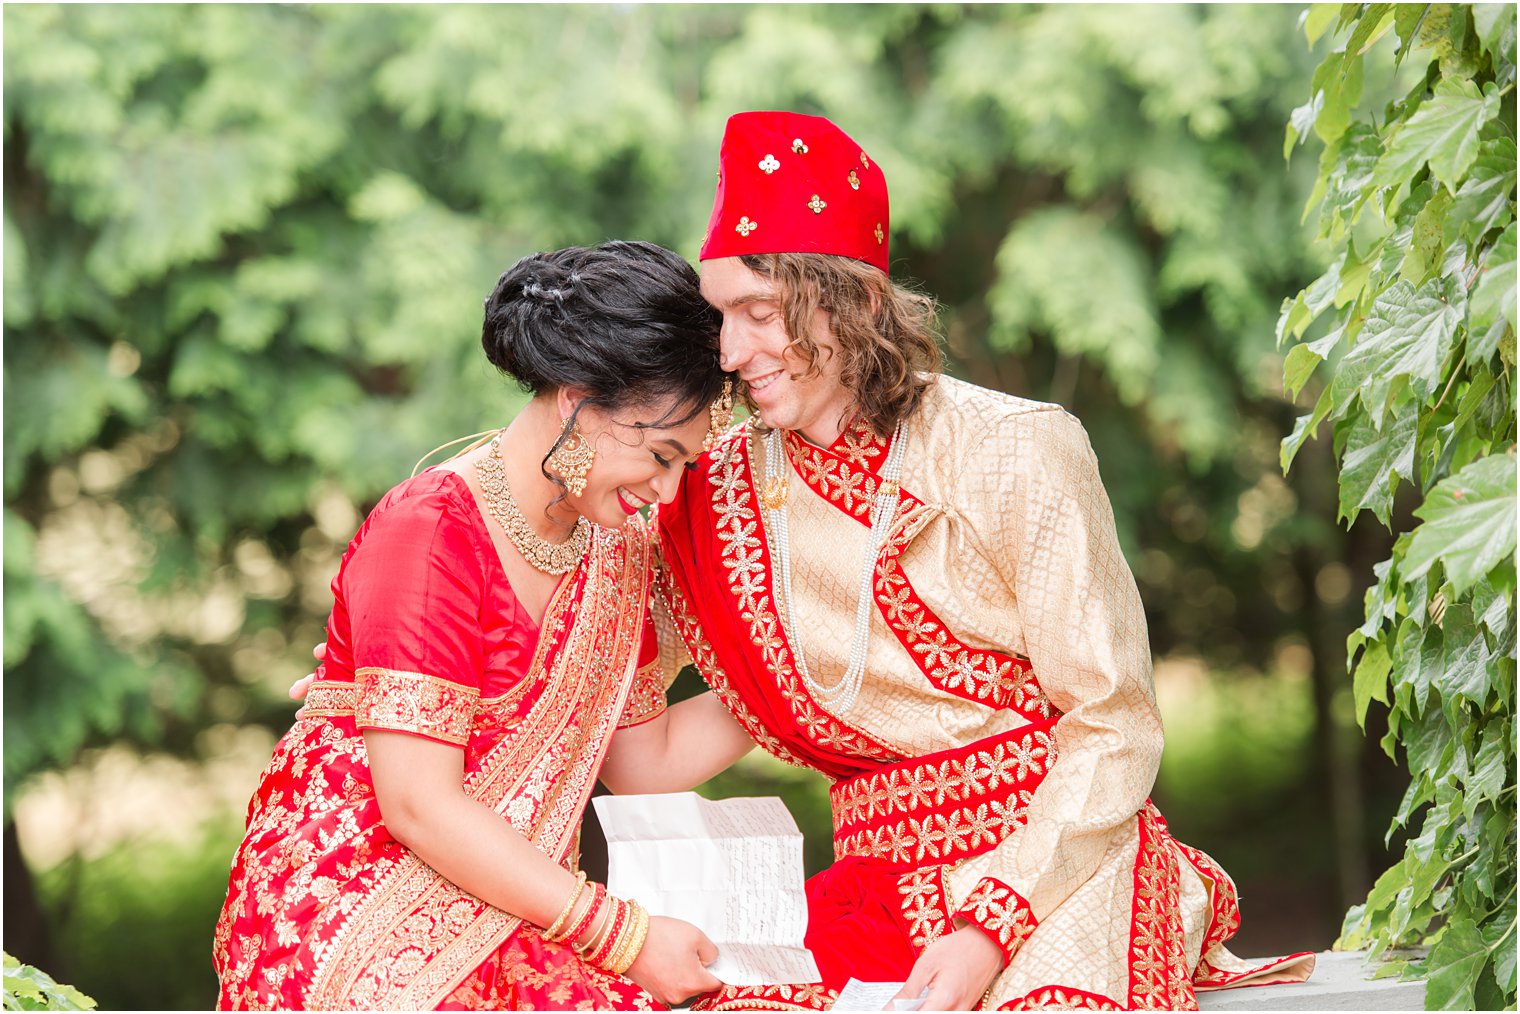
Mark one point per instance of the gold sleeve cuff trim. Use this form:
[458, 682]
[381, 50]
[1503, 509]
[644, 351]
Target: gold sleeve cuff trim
[414, 702]
[647, 698]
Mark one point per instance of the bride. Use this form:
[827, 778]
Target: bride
[411, 843]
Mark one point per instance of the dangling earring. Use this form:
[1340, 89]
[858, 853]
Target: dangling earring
[572, 460]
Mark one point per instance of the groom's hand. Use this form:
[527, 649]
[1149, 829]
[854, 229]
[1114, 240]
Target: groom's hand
[300, 687]
[956, 969]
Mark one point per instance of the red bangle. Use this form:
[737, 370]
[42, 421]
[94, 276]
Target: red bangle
[608, 941]
[598, 895]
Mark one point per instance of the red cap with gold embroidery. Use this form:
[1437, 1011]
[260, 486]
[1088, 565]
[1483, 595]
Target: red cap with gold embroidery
[789, 183]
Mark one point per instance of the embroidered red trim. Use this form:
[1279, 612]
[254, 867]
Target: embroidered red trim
[1061, 998]
[706, 659]
[924, 905]
[1159, 978]
[945, 806]
[808, 998]
[1224, 902]
[1000, 912]
[737, 518]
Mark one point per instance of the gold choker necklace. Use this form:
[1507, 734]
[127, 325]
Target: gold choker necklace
[550, 557]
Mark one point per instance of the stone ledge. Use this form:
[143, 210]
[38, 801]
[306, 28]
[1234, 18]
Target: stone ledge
[1339, 982]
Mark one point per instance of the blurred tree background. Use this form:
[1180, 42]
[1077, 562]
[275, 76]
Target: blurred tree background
[245, 252]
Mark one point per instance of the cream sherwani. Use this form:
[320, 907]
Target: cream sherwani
[996, 762]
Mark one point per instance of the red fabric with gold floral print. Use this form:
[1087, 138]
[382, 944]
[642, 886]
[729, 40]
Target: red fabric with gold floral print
[791, 183]
[325, 908]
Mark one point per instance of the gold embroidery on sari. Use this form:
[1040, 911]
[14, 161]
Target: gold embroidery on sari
[647, 698]
[812, 997]
[414, 936]
[414, 702]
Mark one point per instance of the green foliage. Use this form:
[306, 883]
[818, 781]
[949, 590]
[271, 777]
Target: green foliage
[1420, 390]
[135, 923]
[27, 988]
[246, 247]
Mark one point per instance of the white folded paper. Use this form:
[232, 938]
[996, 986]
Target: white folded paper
[732, 867]
[858, 995]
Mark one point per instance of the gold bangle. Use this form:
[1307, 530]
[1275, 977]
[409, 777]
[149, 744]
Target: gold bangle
[634, 944]
[575, 895]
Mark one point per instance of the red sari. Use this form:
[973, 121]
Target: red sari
[325, 909]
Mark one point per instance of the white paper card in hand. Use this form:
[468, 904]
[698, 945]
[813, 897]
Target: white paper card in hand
[858, 995]
[917, 1003]
[732, 867]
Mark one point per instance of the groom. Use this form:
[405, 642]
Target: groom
[914, 586]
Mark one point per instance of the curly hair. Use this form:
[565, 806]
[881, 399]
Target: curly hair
[885, 331]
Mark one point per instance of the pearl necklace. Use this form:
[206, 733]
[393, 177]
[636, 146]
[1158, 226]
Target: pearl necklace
[839, 697]
[550, 557]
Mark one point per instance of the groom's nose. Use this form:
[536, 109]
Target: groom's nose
[732, 347]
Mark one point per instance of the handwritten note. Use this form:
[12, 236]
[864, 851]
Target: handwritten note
[732, 867]
[858, 995]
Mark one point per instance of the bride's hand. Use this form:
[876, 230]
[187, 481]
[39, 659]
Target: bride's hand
[672, 963]
[300, 687]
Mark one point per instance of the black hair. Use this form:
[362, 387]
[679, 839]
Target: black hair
[624, 321]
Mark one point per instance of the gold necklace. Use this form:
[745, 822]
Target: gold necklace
[550, 557]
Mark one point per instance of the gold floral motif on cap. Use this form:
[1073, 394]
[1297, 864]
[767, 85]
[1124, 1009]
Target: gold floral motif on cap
[748, 225]
[865, 161]
[854, 180]
[768, 164]
[798, 147]
[879, 234]
[817, 204]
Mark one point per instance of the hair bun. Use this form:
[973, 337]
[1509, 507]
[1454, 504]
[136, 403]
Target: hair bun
[624, 321]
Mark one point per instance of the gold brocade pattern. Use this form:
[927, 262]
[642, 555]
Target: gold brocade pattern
[414, 702]
[647, 698]
[388, 932]
[1006, 540]
[993, 678]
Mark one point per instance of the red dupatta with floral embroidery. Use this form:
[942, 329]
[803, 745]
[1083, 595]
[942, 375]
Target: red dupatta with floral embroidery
[410, 939]
[719, 584]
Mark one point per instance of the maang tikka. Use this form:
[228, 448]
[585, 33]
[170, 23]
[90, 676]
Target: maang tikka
[572, 459]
